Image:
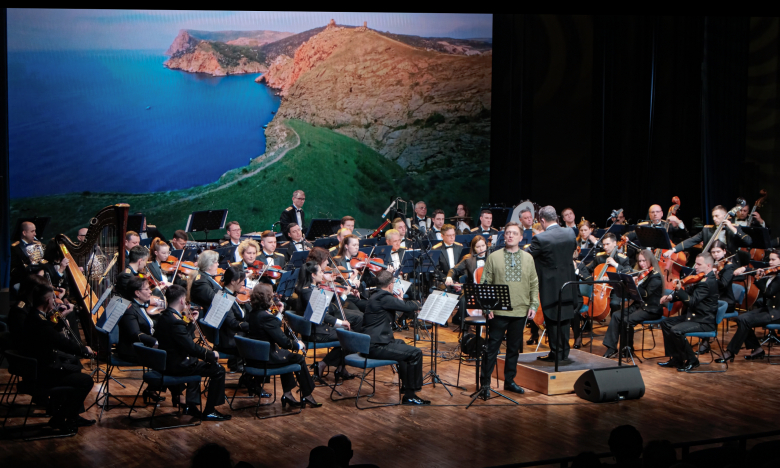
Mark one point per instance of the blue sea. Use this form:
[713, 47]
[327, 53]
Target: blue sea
[78, 121]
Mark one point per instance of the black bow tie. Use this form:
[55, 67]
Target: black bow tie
[145, 305]
[269, 256]
[448, 246]
[299, 243]
[480, 258]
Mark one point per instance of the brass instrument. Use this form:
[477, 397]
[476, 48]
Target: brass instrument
[34, 251]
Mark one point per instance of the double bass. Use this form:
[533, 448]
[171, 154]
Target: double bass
[672, 266]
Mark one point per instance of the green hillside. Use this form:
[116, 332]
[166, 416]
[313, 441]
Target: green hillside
[335, 171]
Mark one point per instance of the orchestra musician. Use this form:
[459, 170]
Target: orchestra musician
[485, 222]
[235, 322]
[731, 235]
[26, 255]
[184, 357]
[20, 308]
[612, 257]
[340, 235]
[438, 222]
[474, 260]
[384, 345]
[233, 241]
[724, 270]
[768, 312]
[393, 239]
[297, 242]
[450, 252]
[527, 226]
[348, 223]
[585, 238]
[651, 288]
[310, 277]
[552, 251]
[247, 250]
[702, 301]
[136, 265]
[293, 213]
[179, 240]
[58, 365]
[462, 226]
[673, 225]
[400, 226]
[159, 252]
[516, 268]
[268, 255]
[568, 218]
[419, 220]
[264, 325]
[203, 285]
[132, 239]
[742, 217]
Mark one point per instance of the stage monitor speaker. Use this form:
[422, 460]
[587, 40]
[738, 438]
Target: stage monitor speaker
[610, 384]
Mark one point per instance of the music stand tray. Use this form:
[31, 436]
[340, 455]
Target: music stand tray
[465, 239]
[409, 260]
[653, 238]
[136, 222]
[326, 242]
[429, 261]
[190, 255]
[287, 282]
[322, 227]
[209, 220]
[298, 258]
[368, 242]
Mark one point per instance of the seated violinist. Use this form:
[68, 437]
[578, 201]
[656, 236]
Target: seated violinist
[235, 322]
[161, 269]
[249, 264]
[204, 285]
[136, 266]
[650, 285]
[769, 312]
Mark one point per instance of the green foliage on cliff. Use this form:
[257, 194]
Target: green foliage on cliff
[230, 55]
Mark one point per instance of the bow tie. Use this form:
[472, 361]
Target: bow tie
[480, 258]
[449, 246]
[145, 305]
[269, 256]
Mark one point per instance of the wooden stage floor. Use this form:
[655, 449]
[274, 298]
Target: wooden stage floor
[676, 406]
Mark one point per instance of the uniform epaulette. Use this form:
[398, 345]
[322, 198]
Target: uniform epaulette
[621, 255]
[15, 244]
[526, 246]
[710, 226]
[288, 208]
[475, 229]
[237, 264]
[197, 277]
[127, 270]
[458, 243]
[333, 248]
[20, 305]
[437, 246]
[223, 243]
[643, 223]
[601, 253]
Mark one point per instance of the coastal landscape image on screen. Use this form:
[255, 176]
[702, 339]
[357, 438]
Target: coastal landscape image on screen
[180, 111]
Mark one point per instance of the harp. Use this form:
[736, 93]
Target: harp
[104, 240]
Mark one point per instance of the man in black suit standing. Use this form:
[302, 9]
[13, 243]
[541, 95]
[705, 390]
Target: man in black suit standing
[294, 213]
[552, 251]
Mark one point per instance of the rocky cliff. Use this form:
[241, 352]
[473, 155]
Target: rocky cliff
[183, 42]
[217, 59]
[421, 108]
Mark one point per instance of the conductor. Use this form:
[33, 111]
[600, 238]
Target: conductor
[552, 251]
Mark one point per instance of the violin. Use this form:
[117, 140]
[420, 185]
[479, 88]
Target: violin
[693, 279]
[362, 261]
[168, 266]
[341, 290]
[243, 295]
[767, 271]
[644, 274]
[273, 271]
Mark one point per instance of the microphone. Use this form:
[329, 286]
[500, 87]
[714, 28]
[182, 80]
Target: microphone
[615, 213]
[392, 204]
[422, 229]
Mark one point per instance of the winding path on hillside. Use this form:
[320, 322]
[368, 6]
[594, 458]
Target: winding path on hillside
[263, 166]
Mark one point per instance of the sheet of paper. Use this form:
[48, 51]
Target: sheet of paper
[438, 307]
[400, 287]
[114, 311]
[318, 305]
[221, 303]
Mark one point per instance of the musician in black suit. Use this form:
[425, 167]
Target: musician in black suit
[527, 224]
[132, 239]
[232, 242]
[179, 240]
[22, 306]
[297, 243]
[702, 301]
[673, 225]
[357, 278]
[434, 233]
[21, 263]
[552, 251]
[419, 219]
[485, 228]
[450, 252]
[612, 257]
[204, 286]
[468, 266]
[58, 364]
[159, 252]
[264, 326]
[293, 213]
[651, 288]
[310, 276]
[769, 312]
[393, 239]
[235, 321]
[184, 357]
[731, 235]
[268, 254]
[136, 267]
[384, 345]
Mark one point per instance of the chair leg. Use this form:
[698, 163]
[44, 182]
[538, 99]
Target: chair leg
[712, 360]
[541, 338]
[257, 407]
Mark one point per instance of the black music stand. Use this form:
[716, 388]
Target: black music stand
[136, 222]
[368, 242]
[627, 283]
[298, 259]
[501, 214]
[653, 238]
[486, 297]
[287, 283]
[40, 222]
[433, 373]
[322, 227]
[186, 255]
[424, 263]
[210, 220]
[465, 239]
[227, 254]
[326, 242]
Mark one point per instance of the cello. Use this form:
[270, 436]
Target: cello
[598, 309]
[756, 254]
[671, 267]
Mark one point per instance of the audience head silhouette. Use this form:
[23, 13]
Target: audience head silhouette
[212, 456]
[625, 443]
[322, 457]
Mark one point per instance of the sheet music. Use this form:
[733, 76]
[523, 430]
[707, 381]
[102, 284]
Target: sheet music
[116, 309]
[318, 304]
[400, 287]
[438, 307]
[221, 303]
[102, 299]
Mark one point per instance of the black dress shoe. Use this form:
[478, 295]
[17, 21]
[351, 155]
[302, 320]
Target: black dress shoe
[414, 400]
[688, 366]
[670, 363]
[78, 421]
[756, 354]
[704, 348]
[192, 411]
[513, 387]
[532, 341]
[577, 343]
[215, 415]
[549, 358]
[151, 396]
[394, 326]
[344, 375]
[289, 401]
[727, 356]
[610, 353]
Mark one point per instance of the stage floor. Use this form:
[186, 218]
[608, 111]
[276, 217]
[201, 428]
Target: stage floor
[676, 406]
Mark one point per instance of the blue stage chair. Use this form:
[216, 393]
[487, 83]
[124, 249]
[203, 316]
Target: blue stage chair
[722, 307]
[356, 347]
